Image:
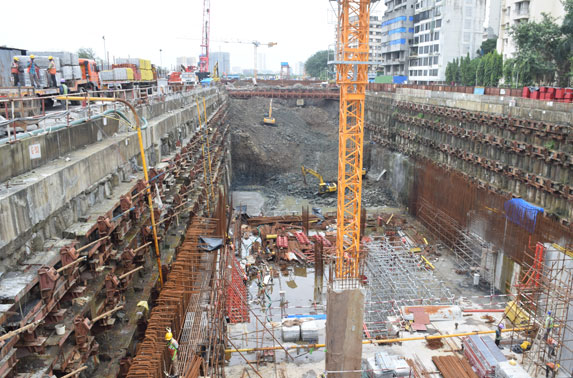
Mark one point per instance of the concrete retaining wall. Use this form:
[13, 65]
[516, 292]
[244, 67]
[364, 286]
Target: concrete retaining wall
[43, 202]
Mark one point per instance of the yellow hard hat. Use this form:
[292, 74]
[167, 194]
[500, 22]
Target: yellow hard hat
[168, 336]
[51, 58]
[32, 56]
[16, 58]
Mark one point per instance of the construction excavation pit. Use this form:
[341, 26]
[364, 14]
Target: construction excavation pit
[187, 221]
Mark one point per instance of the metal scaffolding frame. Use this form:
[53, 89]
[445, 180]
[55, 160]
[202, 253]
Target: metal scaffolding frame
[550, 290]
[467, 246]
[397, 277]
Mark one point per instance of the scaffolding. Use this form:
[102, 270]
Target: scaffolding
[396, 277]
[466, 246]
[546, 286]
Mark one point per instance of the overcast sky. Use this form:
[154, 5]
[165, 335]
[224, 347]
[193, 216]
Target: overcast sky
[135, 29]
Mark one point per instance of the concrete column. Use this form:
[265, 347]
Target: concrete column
[344, 319]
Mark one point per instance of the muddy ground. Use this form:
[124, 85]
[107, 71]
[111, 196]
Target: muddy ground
[269, 158]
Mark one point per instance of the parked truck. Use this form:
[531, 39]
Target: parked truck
[79, 75]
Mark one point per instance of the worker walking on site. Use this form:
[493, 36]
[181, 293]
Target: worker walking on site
[52, 71]
[498, 334]
[173, 347]
[33, 71]
[551, 369]
[549, 323]
[15, 70]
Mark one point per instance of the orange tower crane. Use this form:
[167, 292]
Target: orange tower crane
[352, 76]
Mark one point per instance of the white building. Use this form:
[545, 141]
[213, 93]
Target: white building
[443, 31]
[374, 44]
[492, 20]
[515, 11]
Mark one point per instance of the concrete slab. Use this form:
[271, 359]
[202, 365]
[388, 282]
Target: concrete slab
[14, 285]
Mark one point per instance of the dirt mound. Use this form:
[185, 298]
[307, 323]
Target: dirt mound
[272, 156]
[302, 136]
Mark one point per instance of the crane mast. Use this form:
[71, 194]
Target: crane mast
[352, 77]
[204, 57]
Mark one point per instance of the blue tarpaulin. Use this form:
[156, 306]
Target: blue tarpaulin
[522, 213]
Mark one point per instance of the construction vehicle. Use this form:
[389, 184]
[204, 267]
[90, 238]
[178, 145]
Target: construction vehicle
[269, 120]
[323, 187]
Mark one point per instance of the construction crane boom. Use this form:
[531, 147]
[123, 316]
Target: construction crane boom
[352, 77]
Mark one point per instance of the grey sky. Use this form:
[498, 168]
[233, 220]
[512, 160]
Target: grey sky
[140, 28]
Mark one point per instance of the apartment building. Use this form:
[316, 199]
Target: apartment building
[397, 27]
[443, 31]
[515, 11]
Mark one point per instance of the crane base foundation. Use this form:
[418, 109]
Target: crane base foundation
[345, 314]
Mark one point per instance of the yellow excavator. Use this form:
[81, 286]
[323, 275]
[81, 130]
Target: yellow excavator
[323, 187]
[269, 120]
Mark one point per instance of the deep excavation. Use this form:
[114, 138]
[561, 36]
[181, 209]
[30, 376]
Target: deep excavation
[196, 224]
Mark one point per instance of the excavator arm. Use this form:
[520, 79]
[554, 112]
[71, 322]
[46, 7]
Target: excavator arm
[323, 187]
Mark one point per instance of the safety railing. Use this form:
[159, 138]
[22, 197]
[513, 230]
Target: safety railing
[17, 114]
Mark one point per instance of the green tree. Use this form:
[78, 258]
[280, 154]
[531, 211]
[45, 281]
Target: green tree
[449, 73]
[468, 71]
[86, 53]
[317, 64]
[488, 70]
[480, 73]
[538, 44]
[487, 46]
[497, 68]
[508, 71]
[457, 71]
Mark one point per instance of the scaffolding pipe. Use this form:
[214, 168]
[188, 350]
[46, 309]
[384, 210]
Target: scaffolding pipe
[92, 243]
[374, 341]
[75, 372]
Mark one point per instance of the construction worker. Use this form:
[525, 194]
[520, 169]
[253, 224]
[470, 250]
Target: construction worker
[52, 71]
[173, 347]
[551, 367]
[15, 69]
[548, 325]
[33, 71]
[551, 344]
[498, 334]
[63, 87]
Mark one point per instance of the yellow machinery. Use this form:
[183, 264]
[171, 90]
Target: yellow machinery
[215, 75]
[269, 120]
[351, 61]
[323, 187]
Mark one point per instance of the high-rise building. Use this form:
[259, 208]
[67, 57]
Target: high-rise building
[515, 11]
[299, 69]
[186, 61]
[397, 27]
[492, 20]
[375, 44]
[443, 31]
[224, 59]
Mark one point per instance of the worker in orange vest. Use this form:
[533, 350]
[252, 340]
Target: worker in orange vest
[33, 71]
[551, 368]
[52, 71]
[15, 71]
